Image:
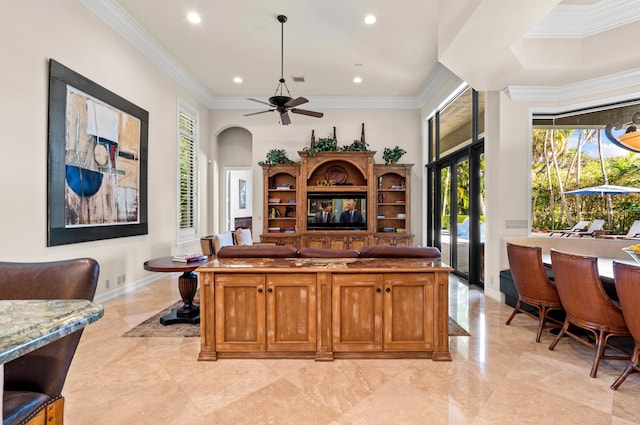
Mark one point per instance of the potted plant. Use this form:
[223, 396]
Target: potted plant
[356, 146]
[322, 145]
[392, 155]
[276, 156]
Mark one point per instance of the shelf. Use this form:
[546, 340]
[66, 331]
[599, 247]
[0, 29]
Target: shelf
[337, 188]
[282, 190]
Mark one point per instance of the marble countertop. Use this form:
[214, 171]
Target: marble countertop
[26, 325]
[354, 265]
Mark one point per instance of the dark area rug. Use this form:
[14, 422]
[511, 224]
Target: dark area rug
[153, 327]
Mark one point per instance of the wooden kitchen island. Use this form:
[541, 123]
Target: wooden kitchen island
[324, 308]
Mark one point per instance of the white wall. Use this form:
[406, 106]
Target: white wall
[33, 31]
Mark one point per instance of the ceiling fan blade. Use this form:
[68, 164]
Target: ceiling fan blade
[285, 118]
[295, 102]
[256, 113]
[260, 101]
[309, 113]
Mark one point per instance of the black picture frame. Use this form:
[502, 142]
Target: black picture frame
[97, 187]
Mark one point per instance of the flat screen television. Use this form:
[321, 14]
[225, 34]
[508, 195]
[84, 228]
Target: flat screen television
[337, 205]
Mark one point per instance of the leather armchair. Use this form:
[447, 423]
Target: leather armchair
[33, 382]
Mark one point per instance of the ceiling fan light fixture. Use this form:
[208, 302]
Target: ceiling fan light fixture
[282, 101]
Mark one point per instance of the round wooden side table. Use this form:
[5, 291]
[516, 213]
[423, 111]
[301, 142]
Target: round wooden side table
[187, 284]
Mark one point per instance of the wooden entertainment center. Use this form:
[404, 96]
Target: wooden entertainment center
[383, 192]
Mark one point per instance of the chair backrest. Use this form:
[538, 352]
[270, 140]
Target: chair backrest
[581, 292]
[596, 225]
[45, 369]
[634, 230]
[627, 281]
[529, 276]
[581, 225]
[392, 251]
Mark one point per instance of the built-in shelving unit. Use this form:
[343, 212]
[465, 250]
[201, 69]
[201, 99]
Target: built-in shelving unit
[288, 188]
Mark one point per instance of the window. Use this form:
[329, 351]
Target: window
[187, 173]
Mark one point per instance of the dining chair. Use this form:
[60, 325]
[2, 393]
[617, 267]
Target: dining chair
[587, 305]
[533, 285]
[627, 281]
[33, 382]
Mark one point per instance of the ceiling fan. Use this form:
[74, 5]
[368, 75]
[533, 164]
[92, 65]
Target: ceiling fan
[280, 102]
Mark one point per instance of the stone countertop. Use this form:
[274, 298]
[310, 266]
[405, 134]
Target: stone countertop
[26, 325]
[344, 265]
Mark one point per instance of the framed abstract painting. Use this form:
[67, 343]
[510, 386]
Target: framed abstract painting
[97, 161]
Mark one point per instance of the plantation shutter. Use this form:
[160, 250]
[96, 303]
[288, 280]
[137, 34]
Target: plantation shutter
[188, 175]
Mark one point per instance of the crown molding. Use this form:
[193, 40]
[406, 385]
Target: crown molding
[574, 90]
[122, 23]
[436, 80]
[580, 20]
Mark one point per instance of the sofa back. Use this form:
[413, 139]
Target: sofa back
[328, 253]
[390, 251]
[257, 251]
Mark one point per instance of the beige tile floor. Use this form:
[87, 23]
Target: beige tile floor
[499, 375]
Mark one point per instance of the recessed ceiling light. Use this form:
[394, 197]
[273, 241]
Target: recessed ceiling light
[370, 19]
[194, 18]
[357, 80]
[237, 80]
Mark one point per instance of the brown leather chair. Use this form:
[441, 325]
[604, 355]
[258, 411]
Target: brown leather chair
[627, 281]
[392, 251]
[533, 285]
[33, 382]
[586, 304]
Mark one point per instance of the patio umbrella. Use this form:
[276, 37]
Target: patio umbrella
[604, 190]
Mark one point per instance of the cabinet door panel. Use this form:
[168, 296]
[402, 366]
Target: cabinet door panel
[408, 313]
[357, 312]
[291, 312]
[337, 242]
[240, 312]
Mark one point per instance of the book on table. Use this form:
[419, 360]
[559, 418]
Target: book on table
[190, 257]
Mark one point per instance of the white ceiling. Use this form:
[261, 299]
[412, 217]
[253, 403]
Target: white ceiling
[489, 43]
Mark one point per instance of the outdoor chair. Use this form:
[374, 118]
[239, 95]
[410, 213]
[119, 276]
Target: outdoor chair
[587, 305]
[579, 227]
[627, 281]
[33, 382]
[595, 226]
[533, 285]
[633, 233]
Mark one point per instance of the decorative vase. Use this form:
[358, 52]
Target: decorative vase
[335, 139]
[313, 136]
[362, 135]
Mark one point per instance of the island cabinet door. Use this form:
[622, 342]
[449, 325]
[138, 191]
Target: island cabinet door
[409, 312]
[356, 312]
[291, 312]
[240, 312]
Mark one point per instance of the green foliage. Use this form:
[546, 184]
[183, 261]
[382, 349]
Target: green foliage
[392, 154]
[276, 156]
[322, 145]
[356, 146]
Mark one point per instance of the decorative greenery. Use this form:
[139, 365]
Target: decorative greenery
[322, 145]
[276, 156]
[391, 155]
[356, 146]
